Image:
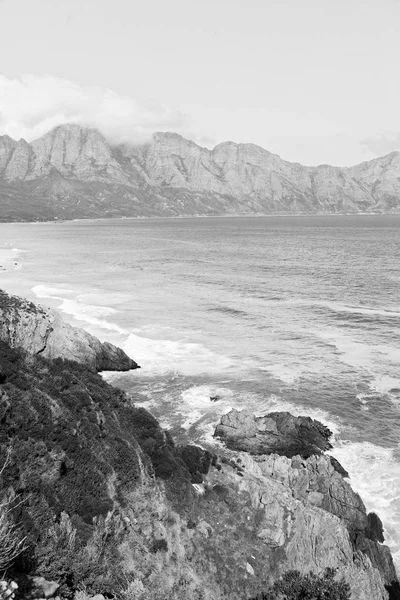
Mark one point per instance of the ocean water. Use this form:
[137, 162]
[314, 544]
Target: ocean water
[267, 313]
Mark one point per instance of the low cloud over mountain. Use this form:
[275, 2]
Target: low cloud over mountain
[33, 105]
[383, 143]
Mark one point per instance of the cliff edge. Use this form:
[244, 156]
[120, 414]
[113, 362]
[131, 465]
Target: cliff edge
[41, 330]
[109, 504]
[284, 468]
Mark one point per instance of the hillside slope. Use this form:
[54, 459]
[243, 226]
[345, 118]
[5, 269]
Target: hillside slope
[111, 505]
[73, 172]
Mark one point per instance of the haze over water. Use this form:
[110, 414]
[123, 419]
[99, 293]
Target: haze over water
[267, 313]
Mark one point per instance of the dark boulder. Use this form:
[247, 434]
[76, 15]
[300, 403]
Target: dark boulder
[278, 433]
[375, 528]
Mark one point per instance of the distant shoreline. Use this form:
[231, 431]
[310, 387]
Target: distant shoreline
[186, 217]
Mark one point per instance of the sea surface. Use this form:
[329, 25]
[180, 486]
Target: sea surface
[265, 313]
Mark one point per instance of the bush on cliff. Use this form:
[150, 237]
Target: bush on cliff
[78, 449]
[12, 542]
[295, 586]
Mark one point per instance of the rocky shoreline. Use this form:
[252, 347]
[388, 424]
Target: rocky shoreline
[291, 450]
[101, 490]
[40, 330]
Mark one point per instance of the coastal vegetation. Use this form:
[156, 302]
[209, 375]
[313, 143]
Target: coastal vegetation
[76, 457]
[295, 586]
[98, 499]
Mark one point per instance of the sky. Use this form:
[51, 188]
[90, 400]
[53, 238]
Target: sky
[314, 81]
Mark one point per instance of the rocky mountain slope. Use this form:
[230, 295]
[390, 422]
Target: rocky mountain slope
[110, 504]
[73, 172]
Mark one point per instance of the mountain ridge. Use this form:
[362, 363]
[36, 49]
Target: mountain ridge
[74, 172]
[227, 142]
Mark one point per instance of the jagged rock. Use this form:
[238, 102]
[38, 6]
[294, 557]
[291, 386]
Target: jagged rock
[41, 330]
[74, 172]
[381, 558]
[280, 433]
[289, 531]
[338, 467]
[317, 483]
[375, 528]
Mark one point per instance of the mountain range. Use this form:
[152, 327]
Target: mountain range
[74, 172]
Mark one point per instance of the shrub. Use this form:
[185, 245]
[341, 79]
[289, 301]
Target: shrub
[159, 545]
[12, 542]
[295, 586]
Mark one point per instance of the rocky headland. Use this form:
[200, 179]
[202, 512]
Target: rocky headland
[109, 504]
[41, 330]
[74, 172]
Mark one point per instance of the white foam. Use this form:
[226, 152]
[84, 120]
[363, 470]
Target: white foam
[363, 399]
[85, 311]
[88, 313]
[276, 404]
[45, 291]
[286, 374]
[158, 356]
[384, 384]
[179, 356]
[353, 353]
[379, 361]
[197, 402]
[359, 354]
[375, 475]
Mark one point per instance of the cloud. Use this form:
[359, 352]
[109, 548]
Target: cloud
[32, 105]
[383, 143]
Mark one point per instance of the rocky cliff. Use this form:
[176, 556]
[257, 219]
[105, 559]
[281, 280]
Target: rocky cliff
[110, 504]
[290, 451]
[41, 330]
[73, 172]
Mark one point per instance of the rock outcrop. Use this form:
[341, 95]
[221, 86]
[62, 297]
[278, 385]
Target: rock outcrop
[112, 505]
[263, 449]
[41, 330]
[74, 172]
[278, 531]
[280, 433]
